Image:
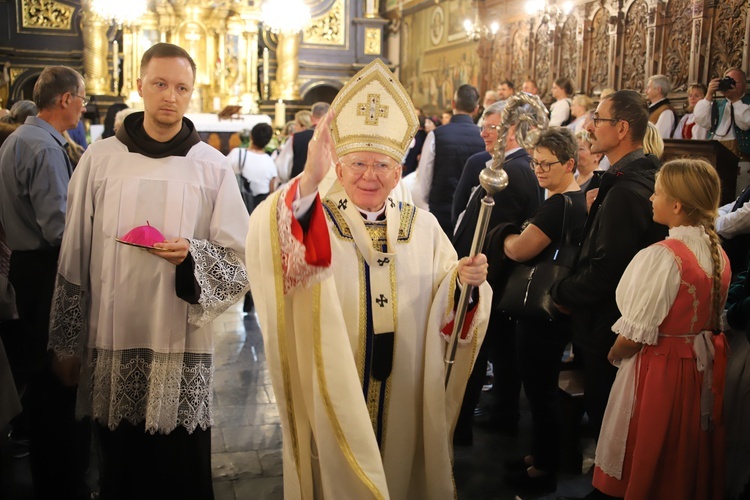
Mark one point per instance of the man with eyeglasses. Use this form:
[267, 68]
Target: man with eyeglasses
[619, 225]
[34, 173]
[513, 205]
[355, 292]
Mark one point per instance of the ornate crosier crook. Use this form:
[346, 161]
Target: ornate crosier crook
[529, 114]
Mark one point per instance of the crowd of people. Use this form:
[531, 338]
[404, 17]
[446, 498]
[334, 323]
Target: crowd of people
[356, 274]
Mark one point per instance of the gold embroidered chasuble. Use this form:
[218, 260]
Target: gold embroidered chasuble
[346, 433]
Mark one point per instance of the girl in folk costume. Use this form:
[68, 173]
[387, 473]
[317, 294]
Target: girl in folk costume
[663, 433]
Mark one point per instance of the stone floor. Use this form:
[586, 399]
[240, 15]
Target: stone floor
[246, 437]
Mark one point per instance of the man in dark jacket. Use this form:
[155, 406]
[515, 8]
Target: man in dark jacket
[513, 205]
[619, 224]
[444, 155]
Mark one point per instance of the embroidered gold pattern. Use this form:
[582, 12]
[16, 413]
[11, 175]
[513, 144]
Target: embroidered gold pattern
[342, 231]
[46, 14]
[372, 110]
[346, 450]
[282, 333]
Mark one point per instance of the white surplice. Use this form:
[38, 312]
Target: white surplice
[147, 354]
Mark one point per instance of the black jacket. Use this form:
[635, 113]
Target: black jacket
[454, 144]
[514, 204]
[619, 225]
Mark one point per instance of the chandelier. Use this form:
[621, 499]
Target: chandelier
[476, 31]
[120, 12]
[287, 17]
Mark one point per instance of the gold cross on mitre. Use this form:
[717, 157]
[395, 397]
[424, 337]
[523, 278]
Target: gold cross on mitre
[372, 109]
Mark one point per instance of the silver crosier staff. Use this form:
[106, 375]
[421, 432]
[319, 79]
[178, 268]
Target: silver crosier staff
[529, 114]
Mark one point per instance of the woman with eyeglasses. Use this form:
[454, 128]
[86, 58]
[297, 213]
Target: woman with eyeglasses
[540, 342]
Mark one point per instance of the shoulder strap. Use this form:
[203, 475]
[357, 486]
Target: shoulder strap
[567, 208]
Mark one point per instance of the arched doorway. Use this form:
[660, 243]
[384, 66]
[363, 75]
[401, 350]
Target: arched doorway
[320, 93]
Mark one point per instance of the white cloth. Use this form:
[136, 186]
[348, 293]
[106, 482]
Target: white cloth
[645, 295]
[259, 171]
[420, 190]
[699, 133]
[729, 224]
[577, 125]
[741, 118]
[559, 112]
[146, 353]
[313, 321]
[284, 160]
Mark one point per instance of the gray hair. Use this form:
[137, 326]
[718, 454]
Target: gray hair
[561, 142]
[495, 108]
[662, 83]
[53, 82]
[20, 111]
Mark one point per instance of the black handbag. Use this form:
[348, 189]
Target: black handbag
[526, 290]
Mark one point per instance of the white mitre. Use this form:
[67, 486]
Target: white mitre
[374, 113]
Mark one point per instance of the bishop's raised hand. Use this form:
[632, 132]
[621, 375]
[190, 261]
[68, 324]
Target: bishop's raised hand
[321, 155]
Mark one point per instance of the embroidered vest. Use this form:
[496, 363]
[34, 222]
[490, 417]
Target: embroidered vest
[742, 136]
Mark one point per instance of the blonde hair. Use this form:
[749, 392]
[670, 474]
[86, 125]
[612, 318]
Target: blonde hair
[584, 101]
[303, 118]
[696, 185]
[652, 142]
[75, 150]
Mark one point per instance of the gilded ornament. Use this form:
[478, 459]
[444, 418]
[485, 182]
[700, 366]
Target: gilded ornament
[328, 29]
[46, 14]
[15, 73]
[372, 41]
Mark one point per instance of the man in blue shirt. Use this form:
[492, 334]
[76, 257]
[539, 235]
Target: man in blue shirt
[34, 173]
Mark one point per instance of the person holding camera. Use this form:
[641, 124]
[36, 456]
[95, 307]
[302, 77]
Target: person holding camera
[728, 121]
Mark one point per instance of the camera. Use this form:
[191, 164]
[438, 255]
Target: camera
[726, 83]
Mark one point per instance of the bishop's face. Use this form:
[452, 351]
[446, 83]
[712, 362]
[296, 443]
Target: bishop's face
[368, 178]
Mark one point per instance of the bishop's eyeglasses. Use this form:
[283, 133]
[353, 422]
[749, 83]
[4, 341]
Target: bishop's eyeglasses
[379, 167]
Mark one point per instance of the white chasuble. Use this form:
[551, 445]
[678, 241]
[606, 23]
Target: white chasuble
[361, 420]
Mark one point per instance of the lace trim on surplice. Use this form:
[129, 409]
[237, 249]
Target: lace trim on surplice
[163, 390]
[66, 319]
[222, 278]
[297, 272]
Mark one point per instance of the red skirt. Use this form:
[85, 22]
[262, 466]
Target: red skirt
[667, 453]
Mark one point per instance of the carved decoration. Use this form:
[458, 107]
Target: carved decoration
[328, 29]
[679, 32]
[520, 50]
[569, 49]
[46, 14]
[634, 64]
[599, 50]
[727, 40]
[541, 58]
